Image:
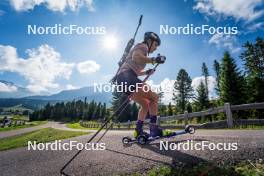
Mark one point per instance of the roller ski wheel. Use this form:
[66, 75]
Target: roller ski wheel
[126, 140]
[190, 129]
[141, 139]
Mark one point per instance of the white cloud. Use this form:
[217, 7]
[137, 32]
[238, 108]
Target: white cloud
[70, 87]
[238, 9]
[88, 67]
[211, 84]
[7, 88]
[53, 5]
[42, 67]
[226, 41]
[168, 84]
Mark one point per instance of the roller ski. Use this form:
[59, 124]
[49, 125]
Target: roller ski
[144, 138]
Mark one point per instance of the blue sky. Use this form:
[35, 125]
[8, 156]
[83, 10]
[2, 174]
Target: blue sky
[81, 60]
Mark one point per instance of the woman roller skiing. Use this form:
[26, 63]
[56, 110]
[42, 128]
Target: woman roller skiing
[128, 75]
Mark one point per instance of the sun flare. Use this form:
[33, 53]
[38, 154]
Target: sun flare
[110, 42]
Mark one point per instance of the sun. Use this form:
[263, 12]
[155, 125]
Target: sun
[110, 42]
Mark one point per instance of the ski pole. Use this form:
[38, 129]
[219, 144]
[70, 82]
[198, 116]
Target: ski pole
[121, 107]
[108, 128]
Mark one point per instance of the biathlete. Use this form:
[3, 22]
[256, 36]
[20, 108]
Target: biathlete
[128, 76]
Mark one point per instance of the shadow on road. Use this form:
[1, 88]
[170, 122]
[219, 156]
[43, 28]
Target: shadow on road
[176, 155]
[141, 157]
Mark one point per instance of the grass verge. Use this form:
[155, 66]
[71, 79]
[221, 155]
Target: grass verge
[40, 136]
[15, 117]
[77, 125]
[208, 169]
[248, 127]
[28, 124]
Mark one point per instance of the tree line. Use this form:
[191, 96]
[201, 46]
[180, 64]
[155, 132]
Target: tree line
[72, 111]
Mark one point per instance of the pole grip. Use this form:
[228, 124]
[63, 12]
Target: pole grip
[147, 77]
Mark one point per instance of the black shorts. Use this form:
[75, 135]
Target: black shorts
[128, 79]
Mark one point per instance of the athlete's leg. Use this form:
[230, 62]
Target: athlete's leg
[147, 93]
[144, 105]
[153, 105]
[152, 97]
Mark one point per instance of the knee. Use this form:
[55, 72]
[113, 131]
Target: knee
[155, 98]
[145, 104]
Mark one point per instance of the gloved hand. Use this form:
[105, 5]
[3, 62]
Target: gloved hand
[150, 71]
[159, 59]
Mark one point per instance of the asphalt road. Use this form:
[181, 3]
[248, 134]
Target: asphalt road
[118, 159]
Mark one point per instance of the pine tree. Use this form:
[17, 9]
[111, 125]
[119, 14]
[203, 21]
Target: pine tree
[85, 110]
[161, 106]
[91, 110]
[202, 101]
[108, 114]
[79, 110]
[62, 112]
[189, 107]
[161, 96]
[57, 112]
[183, 90]
[170, 110]
[205, 73]
[162, 110]
[103, 111]
[253, 58]
[85, 101]
[47, 111]
[217, 73]
[72, 110]
[96, 113]
[231, 81]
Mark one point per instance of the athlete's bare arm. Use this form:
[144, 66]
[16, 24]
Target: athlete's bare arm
[140, 58]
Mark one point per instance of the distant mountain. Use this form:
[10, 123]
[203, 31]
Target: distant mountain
[17, 92]
[27, 103]
[76, 94]
[23, 96]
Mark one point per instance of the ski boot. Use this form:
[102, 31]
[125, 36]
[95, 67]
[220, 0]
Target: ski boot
[155, 131]
[138, 133]
[141, 136]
